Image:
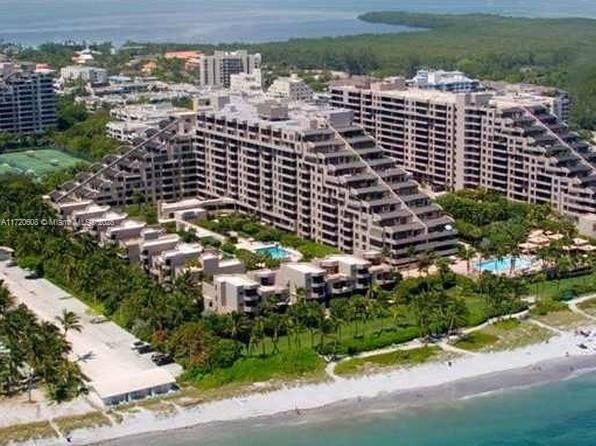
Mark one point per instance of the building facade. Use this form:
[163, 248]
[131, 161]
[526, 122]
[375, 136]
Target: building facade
[308, 170]
[27, 100]
[90, 75]
[291, 88]
[215, 70]
[506, 143]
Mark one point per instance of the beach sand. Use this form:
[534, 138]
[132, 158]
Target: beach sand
[426, 384]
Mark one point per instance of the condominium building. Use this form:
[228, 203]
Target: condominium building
[338, 276]
[132, 121]
[306, 169]
[27, 100]
[510, 144]
[247, 83]
[291, 88]
[556, 100]
[88, 75]
[215, 70]
[454, 81]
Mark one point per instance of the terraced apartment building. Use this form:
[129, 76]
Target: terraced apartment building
[503, 142]
[305, 169]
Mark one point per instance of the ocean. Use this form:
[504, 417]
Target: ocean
[557, 414]
[212, 21]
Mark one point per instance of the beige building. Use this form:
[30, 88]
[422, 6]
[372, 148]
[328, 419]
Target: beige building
[506, 143]
[338, 276]
[306, 169]
[291, 88]
[216, 69]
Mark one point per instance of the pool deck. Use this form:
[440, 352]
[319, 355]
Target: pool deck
[254, 246]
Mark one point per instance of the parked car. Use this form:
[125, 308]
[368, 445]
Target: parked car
[160, 359]
[141, 347]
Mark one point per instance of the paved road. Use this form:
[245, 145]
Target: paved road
[102, 350]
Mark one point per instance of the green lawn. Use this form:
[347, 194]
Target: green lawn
[145, 211]
[398, 358]
[353, 338]
[553, 288]
[505, 335]
[295, 365]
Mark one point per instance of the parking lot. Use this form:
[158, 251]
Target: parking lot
[102, 349]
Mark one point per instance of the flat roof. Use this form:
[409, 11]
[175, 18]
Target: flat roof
[114, 386]
[102, 350]
[304, 268]
[235, 279]
[347, 258]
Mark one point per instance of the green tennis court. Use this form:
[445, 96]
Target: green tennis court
[37, 162]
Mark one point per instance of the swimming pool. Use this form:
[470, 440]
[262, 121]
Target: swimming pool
[274, 251]
[504, 265]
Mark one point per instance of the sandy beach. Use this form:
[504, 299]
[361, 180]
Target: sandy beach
[467, 376]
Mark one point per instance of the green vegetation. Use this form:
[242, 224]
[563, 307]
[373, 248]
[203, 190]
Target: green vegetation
[146, 212]
[505, 335]
[563, 319]
[303, 365]
[79, 133]
[556, 289]
[87, 138]
[21, 433]
[32, 350]
[235, 349]
[69, 424]
[398, 358]
[251, 227]
[588, 306]
[40, 162]
[556, 52]
[476, 341]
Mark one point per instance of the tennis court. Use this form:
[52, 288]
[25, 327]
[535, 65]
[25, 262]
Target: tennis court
[37, 162]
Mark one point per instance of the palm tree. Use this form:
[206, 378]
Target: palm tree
[425, 261]
[6, 299]
[466, 253]
[69, 321]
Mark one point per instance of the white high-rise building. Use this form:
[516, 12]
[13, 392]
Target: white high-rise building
[248, 83]
[91, 75]
[292, 88]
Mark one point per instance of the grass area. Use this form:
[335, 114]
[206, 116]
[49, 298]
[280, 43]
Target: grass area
[564, 319]
[26, 432]
[398, 358]
[250, 227]
[158, 406]
[476, 341]
[38, 162]
[89, 420]
[588, 306]
[144, 211]
[552, 289]
[353, 338]
[296, 365]
[505, 335]
[477, 310]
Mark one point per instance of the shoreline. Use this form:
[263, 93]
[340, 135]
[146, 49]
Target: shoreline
[555, 370]
[424, 385]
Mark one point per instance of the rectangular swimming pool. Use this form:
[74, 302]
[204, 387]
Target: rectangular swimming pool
[274, 251]
[504, 264]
